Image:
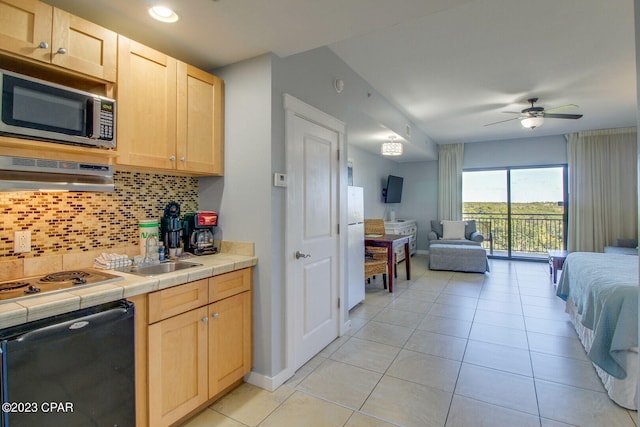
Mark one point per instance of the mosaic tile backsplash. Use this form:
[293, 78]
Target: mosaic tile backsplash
[62, 223]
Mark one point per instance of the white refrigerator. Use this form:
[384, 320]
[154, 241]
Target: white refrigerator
[355, 246]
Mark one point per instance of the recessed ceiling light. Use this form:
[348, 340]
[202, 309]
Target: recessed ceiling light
[163, 14]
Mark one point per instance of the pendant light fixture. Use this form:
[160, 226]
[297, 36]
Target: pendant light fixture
[391, 147]
[532, 122]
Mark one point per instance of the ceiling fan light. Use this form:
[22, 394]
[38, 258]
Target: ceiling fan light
[391, 148]
[532, 122]
[163, 14]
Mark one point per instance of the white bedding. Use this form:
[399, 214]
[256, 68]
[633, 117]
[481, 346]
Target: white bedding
[622, 391]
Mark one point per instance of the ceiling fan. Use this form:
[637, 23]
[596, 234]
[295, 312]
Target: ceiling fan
[533, 117]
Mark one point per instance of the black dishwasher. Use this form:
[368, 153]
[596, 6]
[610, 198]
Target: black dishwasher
[75, 369]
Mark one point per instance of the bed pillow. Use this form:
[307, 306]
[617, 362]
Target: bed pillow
[453, 230]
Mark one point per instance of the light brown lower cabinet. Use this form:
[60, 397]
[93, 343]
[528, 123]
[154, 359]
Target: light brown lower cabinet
[195, 354]
[229, 352]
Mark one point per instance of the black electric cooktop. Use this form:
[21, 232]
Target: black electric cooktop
[54, 282]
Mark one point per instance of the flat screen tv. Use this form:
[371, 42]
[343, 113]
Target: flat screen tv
[393, 192]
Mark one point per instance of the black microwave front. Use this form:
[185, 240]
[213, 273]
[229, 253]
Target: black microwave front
[36, 109]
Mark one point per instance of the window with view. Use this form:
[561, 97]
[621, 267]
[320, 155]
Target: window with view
[520, 211]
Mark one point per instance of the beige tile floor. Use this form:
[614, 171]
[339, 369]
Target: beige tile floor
[445, 349]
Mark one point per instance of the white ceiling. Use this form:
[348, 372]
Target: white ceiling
[451, 66]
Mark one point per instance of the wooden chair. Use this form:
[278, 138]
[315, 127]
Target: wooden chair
[376, 226]
[374, 264]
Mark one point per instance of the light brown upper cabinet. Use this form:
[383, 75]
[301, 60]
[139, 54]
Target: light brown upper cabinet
[35, 30]
[169, 113]
[200, 129]
[147, 113]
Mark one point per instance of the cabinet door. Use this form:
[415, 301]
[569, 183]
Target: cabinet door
[24, 25]
[83, 46]
[200, 122]
[177, 366]
[230, 341]
[146, 106]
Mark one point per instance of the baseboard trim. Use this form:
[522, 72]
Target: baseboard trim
[266, 382]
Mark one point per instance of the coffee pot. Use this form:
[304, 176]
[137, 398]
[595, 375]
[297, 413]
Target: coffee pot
[202, 239]
[199, 228]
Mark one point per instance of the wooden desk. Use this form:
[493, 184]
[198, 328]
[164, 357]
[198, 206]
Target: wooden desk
[390, 241]
[556, 261]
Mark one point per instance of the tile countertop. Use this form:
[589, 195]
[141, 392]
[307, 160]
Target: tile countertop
[41, 306]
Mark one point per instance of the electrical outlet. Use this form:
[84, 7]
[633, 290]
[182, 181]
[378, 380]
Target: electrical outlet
[22, 242]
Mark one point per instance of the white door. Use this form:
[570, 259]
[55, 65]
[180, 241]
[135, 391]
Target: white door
[312, 236]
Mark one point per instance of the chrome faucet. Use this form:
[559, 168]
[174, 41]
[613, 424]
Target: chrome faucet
[146, 247]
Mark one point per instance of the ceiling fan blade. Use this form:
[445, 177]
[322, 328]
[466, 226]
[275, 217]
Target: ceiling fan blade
[561, 108]
[502, 121]
[561, 116]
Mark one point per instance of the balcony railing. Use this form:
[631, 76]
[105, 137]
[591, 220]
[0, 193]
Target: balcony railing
[532, 234]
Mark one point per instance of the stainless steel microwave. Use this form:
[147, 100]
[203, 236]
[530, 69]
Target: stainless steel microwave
[37, 109]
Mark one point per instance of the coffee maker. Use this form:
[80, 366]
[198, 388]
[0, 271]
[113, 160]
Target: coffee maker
[198, 232]
[171, 229]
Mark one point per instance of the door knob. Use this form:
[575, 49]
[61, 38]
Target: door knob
[62, 51]
[43, 45]
[301, 255]
[205, 319]
[215, 315]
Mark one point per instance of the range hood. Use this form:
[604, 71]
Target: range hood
[29, 174]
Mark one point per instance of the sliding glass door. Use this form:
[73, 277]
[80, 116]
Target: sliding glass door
[520, 211]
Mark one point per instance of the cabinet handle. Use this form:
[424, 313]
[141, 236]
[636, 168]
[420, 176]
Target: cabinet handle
[43, 45]
[215, 315]
[183, 159]
[205, 319]
[172, 158]
[62, 51]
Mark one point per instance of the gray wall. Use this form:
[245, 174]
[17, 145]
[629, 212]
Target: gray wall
[250, 208]
[548, 150]
[420, 193]
[420, 197]
[370, 171]
[243, 196]
[309, 77]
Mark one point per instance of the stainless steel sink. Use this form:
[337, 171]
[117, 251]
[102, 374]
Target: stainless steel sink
[162, 268]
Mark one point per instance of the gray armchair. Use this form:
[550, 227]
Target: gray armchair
[471, 234]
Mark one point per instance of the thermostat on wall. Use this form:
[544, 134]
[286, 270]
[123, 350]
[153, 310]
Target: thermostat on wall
[280, 179]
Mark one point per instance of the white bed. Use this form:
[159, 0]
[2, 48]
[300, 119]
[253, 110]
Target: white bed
[601, 291]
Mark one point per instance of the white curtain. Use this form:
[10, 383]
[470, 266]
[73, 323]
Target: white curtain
[450, 181]
[603, 189]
